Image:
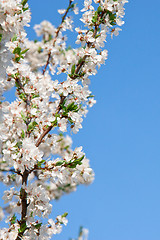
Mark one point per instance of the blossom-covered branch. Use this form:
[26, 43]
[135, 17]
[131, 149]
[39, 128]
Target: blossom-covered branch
[37, 160]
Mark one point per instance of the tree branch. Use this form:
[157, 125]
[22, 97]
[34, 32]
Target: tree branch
[57, 33]
[23, 196]
[50, 127]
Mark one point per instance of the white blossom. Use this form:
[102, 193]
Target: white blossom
[36, 156]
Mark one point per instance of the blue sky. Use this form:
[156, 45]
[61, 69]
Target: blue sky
[121, 134]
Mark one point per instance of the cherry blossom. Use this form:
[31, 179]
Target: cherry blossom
[37, 161]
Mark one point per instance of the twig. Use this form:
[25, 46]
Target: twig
[57, 33]
[50, 127]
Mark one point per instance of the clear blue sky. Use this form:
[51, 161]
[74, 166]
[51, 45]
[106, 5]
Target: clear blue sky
[121, 134]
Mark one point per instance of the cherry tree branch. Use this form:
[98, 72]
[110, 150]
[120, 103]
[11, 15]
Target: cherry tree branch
[23, 197]
[50, 127]
[57, 33]
[89, 44]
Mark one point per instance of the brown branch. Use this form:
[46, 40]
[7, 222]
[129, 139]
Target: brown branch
[11, 170]
[43, 135]
[63, 18]
[19, 84]
[49, 56]
[89, 44]
[79, 66]
[50, 127]
[55, 38]
[23, 197]
[28, 97]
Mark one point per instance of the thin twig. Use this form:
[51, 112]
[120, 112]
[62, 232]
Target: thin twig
[89, 44]
[47, 130]
[55, 38]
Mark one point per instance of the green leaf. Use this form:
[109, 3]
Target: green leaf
[99, 10]
[73, 164]
[64, 187]
[50, 37]
[14, 38]
[73, 69]
[68, 48]
[16, 74]
[13, 219]
[95, 17]
[54, 123]
[0, 37]
[13, 177]
[31, 215]
[71, 107]
[24, 2]
[80, 60]
[72, 5]
[23, 134]
[38, 225]
[22, 227]
[70, 120]
[18, 144]
[35, 95]
[17, 85]
[24, 51]
[17, 59]
[81, 158]
[98, 35]
[59, 163]
[39, 50]
[61, 139]
[22, 96]
[112, 17]
[32, 126]
[62, 106]
[17, 50]
[65, 214]
[24, 9]
[40, 163]
[23, 117]
[12, 75]
[90, 96]
[66, 147]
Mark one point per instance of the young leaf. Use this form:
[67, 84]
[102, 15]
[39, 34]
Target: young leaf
[0, 37]
[23, 116]
[65, 214]
[17, 50]
[59, 163]
[22, 227]
[14, 38]
[23, 134]
[13, 219]
[38, 225]
[73, 69]
[24, 51]
[24, 2]
[40, 163]
[32, 126]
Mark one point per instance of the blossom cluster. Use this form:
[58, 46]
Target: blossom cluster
[36, 156]
[14, 15]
